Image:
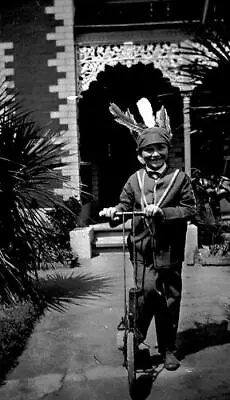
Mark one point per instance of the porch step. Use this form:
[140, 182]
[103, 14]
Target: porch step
[107, 239]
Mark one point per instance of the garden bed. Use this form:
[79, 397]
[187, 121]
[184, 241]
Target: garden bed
[217, 250]
[16, 324]
[205, 258]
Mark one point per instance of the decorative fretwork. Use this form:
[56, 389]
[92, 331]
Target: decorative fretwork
[167, 57]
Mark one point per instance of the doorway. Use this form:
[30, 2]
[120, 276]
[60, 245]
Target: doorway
[109, 146]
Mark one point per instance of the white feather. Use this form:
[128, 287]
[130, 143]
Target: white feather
[145, 109]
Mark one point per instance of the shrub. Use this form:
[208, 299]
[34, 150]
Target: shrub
[16, 324]
[57, 242]
[221, 243]
[30, 163]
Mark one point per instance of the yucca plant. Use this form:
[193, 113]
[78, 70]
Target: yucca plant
[30, 163]
[208, 67]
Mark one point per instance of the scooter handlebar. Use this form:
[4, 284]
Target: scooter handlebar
[130, 213]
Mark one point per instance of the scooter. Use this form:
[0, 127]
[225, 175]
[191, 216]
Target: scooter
[127, 333]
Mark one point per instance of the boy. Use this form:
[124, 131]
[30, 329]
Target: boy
[166, 197]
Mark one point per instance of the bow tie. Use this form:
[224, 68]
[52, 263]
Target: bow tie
[154, 174]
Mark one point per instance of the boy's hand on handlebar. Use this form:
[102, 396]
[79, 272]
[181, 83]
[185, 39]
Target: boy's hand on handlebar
[109, 212]
[151, 210]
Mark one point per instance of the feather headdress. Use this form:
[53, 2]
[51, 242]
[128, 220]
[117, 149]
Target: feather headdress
[163, 121]
[126, 119]
[145, 109]
[149, 120]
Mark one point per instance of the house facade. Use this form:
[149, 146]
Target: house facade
[69, 59]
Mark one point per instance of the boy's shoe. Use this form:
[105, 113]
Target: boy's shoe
[171, 363]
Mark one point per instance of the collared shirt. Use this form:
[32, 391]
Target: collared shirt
[155, 174]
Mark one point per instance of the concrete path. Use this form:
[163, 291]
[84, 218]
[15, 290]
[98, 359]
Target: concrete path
[73, 356]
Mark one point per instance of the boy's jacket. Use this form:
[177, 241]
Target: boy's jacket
[160, 238]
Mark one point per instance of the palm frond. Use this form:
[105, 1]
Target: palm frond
[209, 50]
[207, 66]
[11, 283]
[31, 159]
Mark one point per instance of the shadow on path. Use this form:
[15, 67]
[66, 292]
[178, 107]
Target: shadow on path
[57, 291]
[189, 342]
[202, 336]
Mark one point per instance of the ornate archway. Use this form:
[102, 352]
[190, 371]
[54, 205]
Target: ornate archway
[167, 57]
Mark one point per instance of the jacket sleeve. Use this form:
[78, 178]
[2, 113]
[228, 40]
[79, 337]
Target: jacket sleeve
[126, 198]
[125, 204]
[185, 208]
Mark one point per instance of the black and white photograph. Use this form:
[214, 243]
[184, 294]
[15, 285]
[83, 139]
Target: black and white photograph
[114, 200]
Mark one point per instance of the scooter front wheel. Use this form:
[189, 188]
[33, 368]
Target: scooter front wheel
[131, 360]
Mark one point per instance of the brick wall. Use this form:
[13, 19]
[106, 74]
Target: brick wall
[37, 56]
[6, 60]
[176, 153]
[64, 62]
